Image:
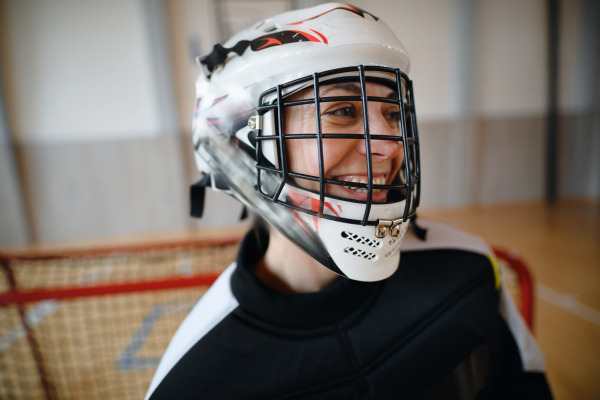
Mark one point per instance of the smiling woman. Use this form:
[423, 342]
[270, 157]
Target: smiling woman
[339, 149]
[319, 138]
[350, 143]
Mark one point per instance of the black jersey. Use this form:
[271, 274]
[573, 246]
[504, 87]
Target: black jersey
[439, 328]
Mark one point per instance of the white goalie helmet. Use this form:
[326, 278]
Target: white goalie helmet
[336, 172]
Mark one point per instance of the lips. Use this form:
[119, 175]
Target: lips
[377, 180]
[359, 193]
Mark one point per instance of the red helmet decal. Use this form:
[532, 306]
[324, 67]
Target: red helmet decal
[281, 38]
[352, 9]
[303, 201]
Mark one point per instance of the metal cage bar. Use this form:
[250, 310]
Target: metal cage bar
[363, 91]
[404, 147]
[282, 156]
[413, 119]
[335, 136]
[319, 144]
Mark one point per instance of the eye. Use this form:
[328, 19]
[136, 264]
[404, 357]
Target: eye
[394, 116]
[345, 112]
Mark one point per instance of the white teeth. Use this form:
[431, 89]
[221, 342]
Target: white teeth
[380, 180]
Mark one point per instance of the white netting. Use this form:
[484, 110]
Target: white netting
[97, 347]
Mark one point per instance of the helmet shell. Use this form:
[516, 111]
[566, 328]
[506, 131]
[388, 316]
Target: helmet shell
[273, 52]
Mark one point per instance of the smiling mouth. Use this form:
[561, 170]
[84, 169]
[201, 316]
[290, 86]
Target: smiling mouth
[377, 180]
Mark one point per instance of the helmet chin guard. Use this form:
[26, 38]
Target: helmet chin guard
[358, 251]
[239, 133]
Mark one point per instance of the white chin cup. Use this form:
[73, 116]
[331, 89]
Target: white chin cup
[354, 248]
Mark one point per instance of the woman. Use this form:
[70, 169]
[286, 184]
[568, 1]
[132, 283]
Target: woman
[308, 118]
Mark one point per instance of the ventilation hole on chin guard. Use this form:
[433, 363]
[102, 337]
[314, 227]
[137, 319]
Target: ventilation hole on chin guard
[360, 253]
[360, 239]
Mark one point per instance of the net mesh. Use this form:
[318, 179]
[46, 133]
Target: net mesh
[105, 347]
[97, 347]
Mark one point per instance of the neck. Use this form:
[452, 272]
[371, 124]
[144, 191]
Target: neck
[288, 269]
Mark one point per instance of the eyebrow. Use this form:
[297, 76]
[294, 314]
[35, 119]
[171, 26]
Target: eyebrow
[352, 88]
[345, 86]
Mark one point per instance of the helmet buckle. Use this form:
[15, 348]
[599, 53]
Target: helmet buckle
[255, 123]
[388, 225]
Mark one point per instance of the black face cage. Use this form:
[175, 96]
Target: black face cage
[409, 171]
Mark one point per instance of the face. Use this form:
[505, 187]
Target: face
[345, 159]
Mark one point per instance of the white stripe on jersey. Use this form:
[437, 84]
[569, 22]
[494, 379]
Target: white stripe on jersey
[531, 355]
[213, 307]
[441, 236]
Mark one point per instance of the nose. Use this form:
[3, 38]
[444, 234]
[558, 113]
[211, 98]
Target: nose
[380, 149]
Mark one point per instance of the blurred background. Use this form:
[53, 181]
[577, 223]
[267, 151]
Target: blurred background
[97, 99]
[95, 133]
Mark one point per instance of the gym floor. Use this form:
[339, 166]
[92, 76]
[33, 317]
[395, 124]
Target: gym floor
[561, 245]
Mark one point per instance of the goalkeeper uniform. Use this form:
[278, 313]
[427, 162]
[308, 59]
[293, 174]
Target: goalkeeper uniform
[441, 327]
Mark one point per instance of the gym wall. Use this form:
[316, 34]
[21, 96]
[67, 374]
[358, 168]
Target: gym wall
[98, 98]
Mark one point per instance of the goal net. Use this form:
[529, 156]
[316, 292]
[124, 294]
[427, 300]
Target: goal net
[94, 324]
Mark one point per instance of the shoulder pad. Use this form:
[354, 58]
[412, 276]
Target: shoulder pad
[441, 236]
[445, 237]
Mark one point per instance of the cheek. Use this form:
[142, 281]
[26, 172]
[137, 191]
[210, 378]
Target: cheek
[302, 156]
[397, 162]
[338, 153]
